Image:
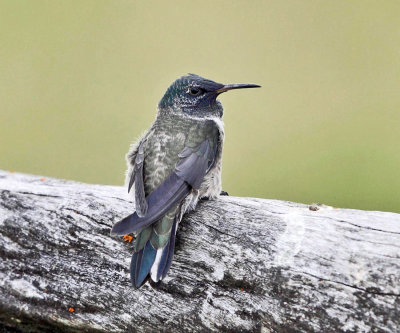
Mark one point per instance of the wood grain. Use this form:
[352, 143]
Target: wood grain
[241, 264]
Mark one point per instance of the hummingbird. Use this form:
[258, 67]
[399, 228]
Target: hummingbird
[173, 165]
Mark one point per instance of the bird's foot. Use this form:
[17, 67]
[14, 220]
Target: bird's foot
[222, 193]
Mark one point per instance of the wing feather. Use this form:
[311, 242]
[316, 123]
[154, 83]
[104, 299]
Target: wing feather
[137, 178]
[160, 201]
[188, 174]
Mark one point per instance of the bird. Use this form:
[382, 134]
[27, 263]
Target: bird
[173, 165]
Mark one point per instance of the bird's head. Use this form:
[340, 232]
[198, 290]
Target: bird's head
[196, 96]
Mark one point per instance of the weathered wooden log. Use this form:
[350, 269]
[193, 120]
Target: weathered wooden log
[241, 264]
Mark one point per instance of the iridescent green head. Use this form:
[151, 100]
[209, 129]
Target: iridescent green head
[195, 95]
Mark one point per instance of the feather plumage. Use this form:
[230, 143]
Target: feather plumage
[176, 162]
[157, 227]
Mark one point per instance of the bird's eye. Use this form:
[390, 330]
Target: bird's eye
[194, 91]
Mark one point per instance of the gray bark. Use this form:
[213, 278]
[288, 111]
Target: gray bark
[241, 264]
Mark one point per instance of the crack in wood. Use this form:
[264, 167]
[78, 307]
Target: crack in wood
[366, 290]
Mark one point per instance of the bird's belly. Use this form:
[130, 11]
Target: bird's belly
[211, 185]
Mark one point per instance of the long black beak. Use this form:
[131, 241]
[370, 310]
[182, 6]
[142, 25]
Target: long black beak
[236, 86]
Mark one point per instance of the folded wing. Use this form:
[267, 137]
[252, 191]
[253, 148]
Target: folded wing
[189, 173]
[137, 178]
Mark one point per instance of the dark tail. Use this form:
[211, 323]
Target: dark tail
[151, 263]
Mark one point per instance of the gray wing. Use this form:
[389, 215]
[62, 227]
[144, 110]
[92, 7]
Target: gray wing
[137, 178]
[188, 174]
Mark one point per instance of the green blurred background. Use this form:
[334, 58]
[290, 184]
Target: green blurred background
[80, 80]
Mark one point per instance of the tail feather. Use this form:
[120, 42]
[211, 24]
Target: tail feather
[167, 254]
[141, 264]
[161, 265]
[152, 263]
[170, 250]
